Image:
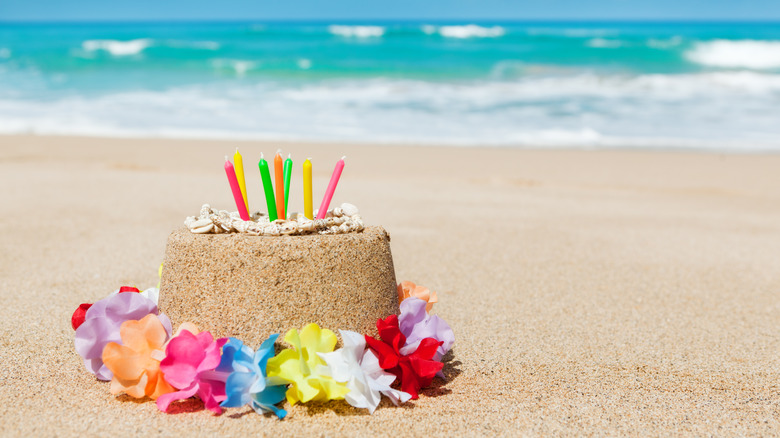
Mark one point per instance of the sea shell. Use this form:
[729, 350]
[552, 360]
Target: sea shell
[288, 228]
[200, 223]
[340, 220]
[241, 226]
[272, 229]
[305, 225]
[349, 209]
[204, 229]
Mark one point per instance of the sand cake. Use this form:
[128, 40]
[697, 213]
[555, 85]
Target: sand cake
[252, 286]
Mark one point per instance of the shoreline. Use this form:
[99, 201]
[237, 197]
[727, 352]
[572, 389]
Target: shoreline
[681, 147]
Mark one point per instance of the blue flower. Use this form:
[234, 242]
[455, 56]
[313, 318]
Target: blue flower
[247, 382]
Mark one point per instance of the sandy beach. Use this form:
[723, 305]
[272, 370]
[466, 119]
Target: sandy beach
[591, 292]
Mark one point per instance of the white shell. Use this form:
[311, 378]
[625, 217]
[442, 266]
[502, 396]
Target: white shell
[343, 219]
[349, 209]
[288, 228]
[203, 230]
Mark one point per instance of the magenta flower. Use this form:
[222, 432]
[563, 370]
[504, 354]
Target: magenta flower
[189, 365]
[101, 326]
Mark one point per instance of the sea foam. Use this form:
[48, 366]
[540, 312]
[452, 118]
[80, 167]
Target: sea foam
[468, 31]
[752, 54]
[116, 47]
[356, 31]
[603, 43]
[718, 109]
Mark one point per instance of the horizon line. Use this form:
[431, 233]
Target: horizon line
[396, 20]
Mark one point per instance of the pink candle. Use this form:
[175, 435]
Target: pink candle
[334, 180]
[237, 195]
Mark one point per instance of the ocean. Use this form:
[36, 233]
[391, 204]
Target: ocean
[713, 86]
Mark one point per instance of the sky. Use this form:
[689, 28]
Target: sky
[356, 10]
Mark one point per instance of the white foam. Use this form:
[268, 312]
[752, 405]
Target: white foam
[116, 47]
[665, 44]
[602, 43]
[304, 64]
[571, 32]
[5, 53]
[201, 45]
[239, 66]
[356, 31]
[736, 109]
[753, 54]
[428, 29]
[471, 31]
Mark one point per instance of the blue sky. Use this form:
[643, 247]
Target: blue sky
[461, 10]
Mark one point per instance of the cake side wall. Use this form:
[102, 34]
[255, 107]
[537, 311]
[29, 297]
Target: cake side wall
[252, 286]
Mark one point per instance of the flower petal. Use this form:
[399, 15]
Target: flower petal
[237, 389]
[124, 362]
[166, 399]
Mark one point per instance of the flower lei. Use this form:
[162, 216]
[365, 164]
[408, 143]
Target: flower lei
[123, 338]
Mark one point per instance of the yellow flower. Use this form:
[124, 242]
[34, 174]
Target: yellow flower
[302, 367]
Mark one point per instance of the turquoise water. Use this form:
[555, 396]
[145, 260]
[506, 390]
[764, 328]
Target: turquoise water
[692, 85]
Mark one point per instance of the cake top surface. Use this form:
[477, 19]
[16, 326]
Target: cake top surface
[340, 220]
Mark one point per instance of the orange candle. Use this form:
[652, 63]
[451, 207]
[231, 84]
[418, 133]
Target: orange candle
[279, 172]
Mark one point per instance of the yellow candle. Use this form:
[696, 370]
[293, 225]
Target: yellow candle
[308, 208]
[238, 163]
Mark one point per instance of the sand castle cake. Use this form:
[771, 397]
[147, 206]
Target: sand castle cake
[235, 281]
[246, 278]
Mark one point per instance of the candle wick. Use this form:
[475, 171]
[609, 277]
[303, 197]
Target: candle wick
[236, 150]
[289, 156]
[226, 158]
[342, 158]
[278, 151]
[261, 156]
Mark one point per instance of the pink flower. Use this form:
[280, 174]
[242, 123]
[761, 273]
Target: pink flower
[189, 367]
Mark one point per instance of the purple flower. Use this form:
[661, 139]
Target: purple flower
[101, 326]
[416, 324]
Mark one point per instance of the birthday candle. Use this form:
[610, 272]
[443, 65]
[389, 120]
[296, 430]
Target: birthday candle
[308, 208]
[287, 174]
[267, 187]
[279, 172]
[231, 176]
[239, 166]
[334, 180]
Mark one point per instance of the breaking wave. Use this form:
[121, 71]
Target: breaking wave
[752, 54]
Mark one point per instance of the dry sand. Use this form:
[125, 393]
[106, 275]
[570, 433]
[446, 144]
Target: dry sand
[591, 293]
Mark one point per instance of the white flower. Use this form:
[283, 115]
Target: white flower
[152, 293]
[359, 368]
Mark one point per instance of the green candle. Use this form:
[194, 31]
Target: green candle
[287, 173]
[269, 190]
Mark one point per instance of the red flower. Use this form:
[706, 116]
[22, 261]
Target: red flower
[416, 369]
[80, 314]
